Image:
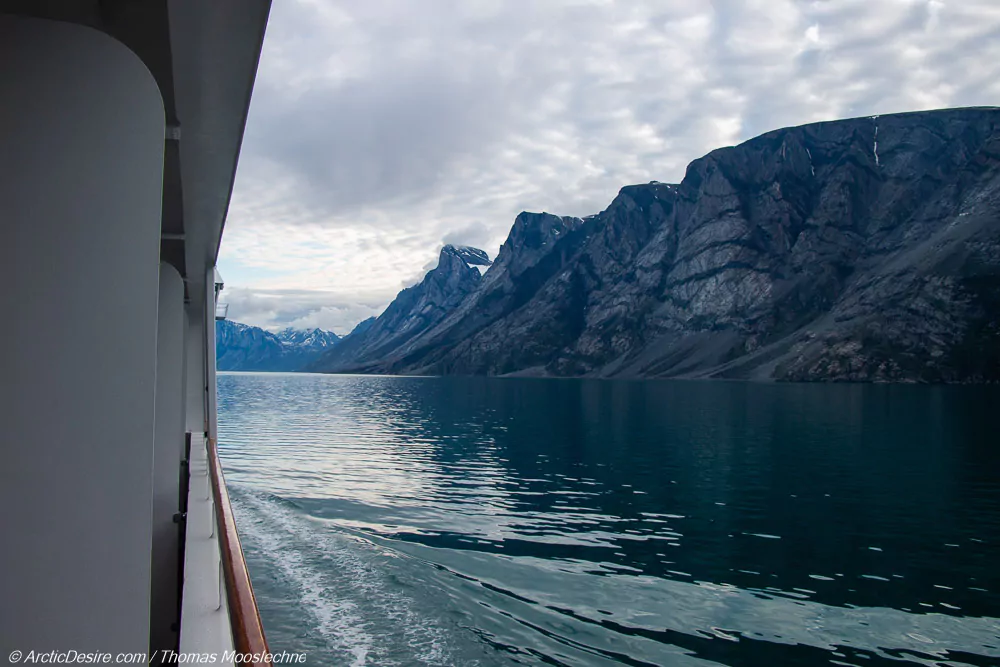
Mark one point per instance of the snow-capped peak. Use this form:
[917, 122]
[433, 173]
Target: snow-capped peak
[315, 337]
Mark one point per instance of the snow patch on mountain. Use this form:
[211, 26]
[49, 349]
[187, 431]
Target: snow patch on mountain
[241, 347]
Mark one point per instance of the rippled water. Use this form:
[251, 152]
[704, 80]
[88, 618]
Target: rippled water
[477, 521]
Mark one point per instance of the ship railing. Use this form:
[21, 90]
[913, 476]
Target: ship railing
[244, 617]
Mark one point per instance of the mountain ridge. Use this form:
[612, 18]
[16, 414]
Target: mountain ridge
[414, 310]
[243, 347]
[865, 249]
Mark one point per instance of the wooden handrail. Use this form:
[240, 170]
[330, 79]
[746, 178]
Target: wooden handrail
[244, 618]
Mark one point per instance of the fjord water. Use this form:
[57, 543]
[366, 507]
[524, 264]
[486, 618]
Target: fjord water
[494, 521]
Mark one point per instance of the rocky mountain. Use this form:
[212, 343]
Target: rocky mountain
[316, 339]
[857, 250]
[414, 311]
[361, 327]
[240, 347]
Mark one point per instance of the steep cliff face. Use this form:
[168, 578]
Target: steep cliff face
[862, 249]
[538, 246]
[241, 347]
[412, 312]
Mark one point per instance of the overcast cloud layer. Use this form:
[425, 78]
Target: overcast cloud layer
[380, 130]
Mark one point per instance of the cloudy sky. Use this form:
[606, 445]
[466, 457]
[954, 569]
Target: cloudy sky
[381, 129]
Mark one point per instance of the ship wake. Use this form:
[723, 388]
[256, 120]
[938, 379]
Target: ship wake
[340, 580]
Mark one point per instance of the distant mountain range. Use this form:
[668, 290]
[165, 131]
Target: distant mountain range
[241, 347]
[857, 250]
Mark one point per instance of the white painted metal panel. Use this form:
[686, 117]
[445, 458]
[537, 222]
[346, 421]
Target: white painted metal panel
[81, 158]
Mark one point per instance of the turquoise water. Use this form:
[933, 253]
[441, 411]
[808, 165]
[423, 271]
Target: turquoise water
[479, 521]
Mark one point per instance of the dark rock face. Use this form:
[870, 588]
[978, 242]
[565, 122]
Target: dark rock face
[855, 250]
[240, 347]
[414, 310]
[472, 256]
